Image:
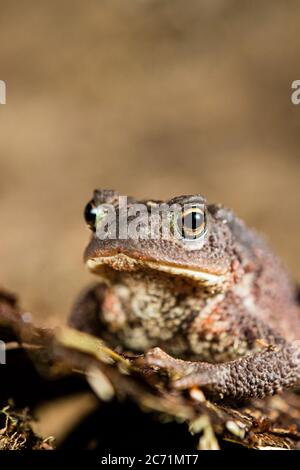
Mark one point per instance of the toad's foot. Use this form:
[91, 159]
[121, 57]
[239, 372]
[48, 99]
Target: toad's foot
[197, 373]
[255, 375]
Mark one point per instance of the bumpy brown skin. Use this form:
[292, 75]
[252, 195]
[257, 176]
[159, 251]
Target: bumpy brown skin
[212, 330]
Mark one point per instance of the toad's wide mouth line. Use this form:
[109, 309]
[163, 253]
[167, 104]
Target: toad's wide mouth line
[122, 262]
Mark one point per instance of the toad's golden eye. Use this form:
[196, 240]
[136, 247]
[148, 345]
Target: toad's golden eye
[192, 223]
[90, 215]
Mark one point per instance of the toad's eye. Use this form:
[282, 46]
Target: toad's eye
[90, 213]
[192, 223]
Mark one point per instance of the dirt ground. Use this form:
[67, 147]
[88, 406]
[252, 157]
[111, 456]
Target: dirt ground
[152, 98]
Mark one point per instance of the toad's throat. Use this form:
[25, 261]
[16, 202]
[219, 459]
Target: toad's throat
[122, 262]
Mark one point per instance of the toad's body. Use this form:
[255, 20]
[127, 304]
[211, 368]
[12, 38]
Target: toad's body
[210, 303]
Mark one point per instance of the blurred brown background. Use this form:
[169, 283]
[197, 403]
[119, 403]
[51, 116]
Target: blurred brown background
[150, 97]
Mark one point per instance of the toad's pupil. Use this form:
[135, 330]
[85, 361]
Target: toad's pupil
[193, 220]
[90, 215]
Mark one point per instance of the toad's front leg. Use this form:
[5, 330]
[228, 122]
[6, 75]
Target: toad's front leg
[254, 376]
[85, 315]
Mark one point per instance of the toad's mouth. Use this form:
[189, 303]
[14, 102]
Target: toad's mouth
[122, 262]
